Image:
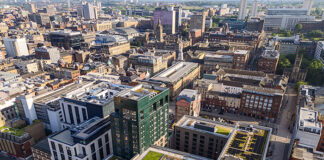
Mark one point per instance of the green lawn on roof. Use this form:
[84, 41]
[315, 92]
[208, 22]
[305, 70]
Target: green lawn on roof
[13, 131]
[153, 156]
[223, 130]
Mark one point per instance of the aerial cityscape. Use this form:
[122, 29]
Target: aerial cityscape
[161, 80]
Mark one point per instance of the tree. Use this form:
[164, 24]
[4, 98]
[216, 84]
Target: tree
[298, 28]
[300, 83]
[315, 65]
[315, 74]
[282, 64]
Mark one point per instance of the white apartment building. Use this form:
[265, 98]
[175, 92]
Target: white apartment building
[93, 101]
[243, 9]
[16, 47]
[309, 128]
[91, 140]
[90, 11]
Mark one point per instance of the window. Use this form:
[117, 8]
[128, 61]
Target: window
[94, 157]
[76, 110]
[84, 151]
[161, 102]
[101, 153]
[106, 138]
[68, 150]
[100, 142]
[92, 147]
[60, 148]
[71, 114]
[107, 148]
[84, 114]
[53, 145]
[166, 99]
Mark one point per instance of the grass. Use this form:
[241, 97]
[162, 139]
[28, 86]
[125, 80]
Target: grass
[13, 131]
[153, 156]
[223, 130]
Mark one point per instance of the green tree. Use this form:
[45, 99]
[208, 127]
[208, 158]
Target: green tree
[300, 83]
[315, 65]
[315, 74]
[282, 64]
[298, 28]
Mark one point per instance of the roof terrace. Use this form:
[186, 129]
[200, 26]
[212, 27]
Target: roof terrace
[248, 142]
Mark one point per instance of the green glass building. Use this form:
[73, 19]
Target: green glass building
[140, 120]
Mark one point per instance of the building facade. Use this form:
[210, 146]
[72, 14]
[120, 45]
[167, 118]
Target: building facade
[188, 103]
[262, 103]
[200, 136]
[16, 47]
[268, 61]
[90, 140]
[140, 120]
[178, 77]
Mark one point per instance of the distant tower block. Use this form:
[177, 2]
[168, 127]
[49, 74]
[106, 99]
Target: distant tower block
[308, 5]
[243, 9]
[69, 4]
[254, 12]
[323, 14]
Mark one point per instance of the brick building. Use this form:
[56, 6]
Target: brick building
[268, 61]
[188, 103]
[261, 103]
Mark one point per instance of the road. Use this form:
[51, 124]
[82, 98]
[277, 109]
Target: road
[282, 139]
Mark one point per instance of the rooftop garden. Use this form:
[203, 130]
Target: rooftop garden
[223, 130]
[153, 156]
[13, 131]
[248, 145]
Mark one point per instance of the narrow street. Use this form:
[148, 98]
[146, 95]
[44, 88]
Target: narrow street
[282, 139]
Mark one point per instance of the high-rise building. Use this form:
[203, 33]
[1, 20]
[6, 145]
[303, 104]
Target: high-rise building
[167, 17]
[16, 47]
[30, 7]
[197, 21]
[69, 4]
[243, 9]
[178, 20]
[323, 14]
[140, 120]
[90, 11]
[255, 6]
[308, 5]
[89, 140]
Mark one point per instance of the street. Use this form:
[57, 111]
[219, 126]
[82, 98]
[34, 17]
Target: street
[282, 139]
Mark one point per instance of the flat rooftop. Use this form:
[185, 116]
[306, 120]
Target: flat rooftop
[99, 93]
[64, 136]
[273, 54]
[140, 91]
[89, 127]
[161, 153]
[43, 146]
[61, 92]
[248, 142]
[205, 125]
[175, 72]
[308, 118]
[262, 90]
